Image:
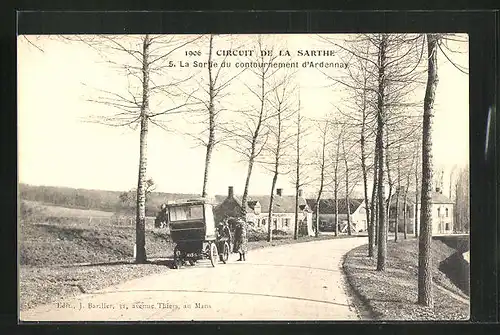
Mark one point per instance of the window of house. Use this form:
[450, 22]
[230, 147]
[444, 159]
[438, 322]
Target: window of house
[287, 222]
[275, 221]
[258, 222]
[447, 223]
[447, 213]
[263, 222]
[439, 211]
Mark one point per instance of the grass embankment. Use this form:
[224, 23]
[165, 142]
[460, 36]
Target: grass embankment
[53, 239]
[392, 294]
[62, 252]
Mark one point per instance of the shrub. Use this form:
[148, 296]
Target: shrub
[278, 232]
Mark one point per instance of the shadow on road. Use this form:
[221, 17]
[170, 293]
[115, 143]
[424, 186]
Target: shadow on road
[230, 293]
[169, 262]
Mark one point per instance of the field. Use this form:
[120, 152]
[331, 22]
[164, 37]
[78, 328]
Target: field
[392, 294]
[59, 211]
[52, 235]
[94, 200]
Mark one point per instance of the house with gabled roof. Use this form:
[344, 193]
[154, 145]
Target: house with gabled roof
[442, 213]
[257, 209]
[327, 213]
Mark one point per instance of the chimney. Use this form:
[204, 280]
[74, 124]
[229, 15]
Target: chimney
[279, 192]
[300, 192]
[230, 192]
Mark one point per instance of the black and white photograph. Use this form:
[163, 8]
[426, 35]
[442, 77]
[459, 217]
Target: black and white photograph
[243, 177]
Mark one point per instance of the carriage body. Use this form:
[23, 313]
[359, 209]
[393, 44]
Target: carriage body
[192, 229]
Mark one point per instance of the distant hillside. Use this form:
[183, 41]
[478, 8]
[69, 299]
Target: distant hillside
[92, 199]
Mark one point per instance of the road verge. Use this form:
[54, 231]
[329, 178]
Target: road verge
[392, 294]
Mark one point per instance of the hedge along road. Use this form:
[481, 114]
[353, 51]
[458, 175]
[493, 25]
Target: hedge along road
[302, 281]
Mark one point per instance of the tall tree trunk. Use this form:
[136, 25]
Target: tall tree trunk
[244, 197]
[417, 200]
[377, 226]
[318, 199]
[349, 231]
[251, 157]
[387, 214]
[211, 121]
[373, 215]
[424, 250]
[317, 218]
[336, 212]
[405, 213]
[271, 203]
[322, 179]
[140, 223]
[365, 192]
[336, 176]
[275, 178]
[390, 182]
[382, 240]
[297, 181]
[398, 195]
[362, 142]
[396, 223]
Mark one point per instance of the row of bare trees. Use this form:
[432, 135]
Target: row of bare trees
[384, 125]
[378, 135]
[264, 130]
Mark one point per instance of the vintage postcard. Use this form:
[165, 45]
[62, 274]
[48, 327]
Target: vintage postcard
[273, 177]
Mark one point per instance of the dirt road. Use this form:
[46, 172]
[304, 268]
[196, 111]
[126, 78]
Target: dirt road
[301, 281]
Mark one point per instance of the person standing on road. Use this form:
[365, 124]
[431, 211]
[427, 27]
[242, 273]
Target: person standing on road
[240, 239]
[225, 232]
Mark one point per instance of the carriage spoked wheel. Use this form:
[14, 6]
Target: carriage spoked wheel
[177, 258]
[225, 253]
[213, 254]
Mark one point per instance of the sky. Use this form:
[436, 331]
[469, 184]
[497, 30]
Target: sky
[57, 147]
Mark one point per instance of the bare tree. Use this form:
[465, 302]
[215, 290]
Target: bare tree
[374, 210]
[424, 255]
[214, 89]
[417, 171]
[278, 146]
[301, 163]
[435, 43]
[335, 157]
[398, 194]
[323, 165]
[381, 119]
[212, 92]
[143, 59]
[33, 41]
[346, 159]
[382, 77]
[249, 132]
[405, 197]
[297, 176]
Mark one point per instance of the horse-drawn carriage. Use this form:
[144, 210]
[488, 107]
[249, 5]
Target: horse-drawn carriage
[193, 230]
